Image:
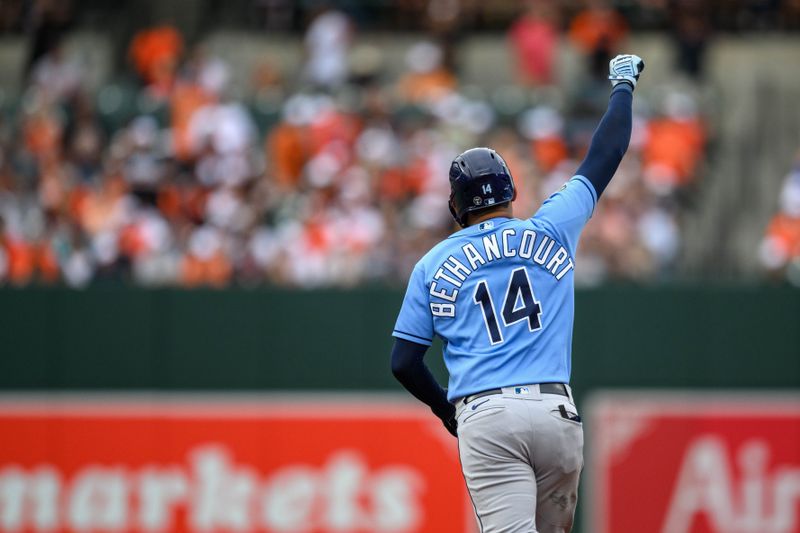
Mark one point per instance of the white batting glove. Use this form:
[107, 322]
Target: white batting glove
[625, 68]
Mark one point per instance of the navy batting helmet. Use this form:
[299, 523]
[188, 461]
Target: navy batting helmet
[479, 179]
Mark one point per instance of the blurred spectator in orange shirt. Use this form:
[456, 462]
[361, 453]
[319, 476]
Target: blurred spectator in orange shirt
[286, 149]
[47, 262]
[781, 243]
[205, 263]
[330, 126]
[186, 99]
[16, 259]
[534, 37]
[106, 208]
[42, 131]
[784, 232]
[155, 53]
[544, 126]
[202, 83]
[21, 261]
[427, 78]
[597, 31]
[53, 184]
[675, 145]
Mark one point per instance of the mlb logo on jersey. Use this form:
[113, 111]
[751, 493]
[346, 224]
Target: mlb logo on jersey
[522, 390]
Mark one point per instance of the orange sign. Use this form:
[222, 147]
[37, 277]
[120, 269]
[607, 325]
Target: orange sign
[215, 464]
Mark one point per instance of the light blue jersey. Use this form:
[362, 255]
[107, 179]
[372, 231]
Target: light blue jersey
[500, 295]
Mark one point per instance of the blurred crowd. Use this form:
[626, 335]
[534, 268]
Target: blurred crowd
[347, 185]
[430, 15]
[780, 247]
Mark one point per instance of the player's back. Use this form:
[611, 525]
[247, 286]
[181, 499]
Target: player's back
[500, 295]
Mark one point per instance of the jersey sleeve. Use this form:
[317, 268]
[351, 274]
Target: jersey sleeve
[415, 322]
[568, 210]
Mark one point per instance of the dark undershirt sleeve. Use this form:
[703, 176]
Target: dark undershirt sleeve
[410, 370]
[610, 140]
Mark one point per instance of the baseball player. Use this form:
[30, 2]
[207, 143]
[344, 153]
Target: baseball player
[500, 295]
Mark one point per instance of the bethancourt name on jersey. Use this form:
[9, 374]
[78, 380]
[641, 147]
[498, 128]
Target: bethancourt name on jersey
[539, 249]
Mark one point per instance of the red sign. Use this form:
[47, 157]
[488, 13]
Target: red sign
[214, 464]
[694, 463]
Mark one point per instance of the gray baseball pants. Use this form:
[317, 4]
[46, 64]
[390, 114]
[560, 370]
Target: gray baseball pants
[521, 459]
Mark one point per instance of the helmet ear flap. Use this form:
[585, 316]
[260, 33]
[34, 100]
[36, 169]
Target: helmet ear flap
[454, 212]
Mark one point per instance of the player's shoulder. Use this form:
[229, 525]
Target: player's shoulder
[441, 251]
[436, 254]
[576, 187]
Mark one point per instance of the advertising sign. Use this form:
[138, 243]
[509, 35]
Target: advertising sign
[694, 463]
[294, 464]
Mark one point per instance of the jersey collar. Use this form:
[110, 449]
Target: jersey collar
[481, 227]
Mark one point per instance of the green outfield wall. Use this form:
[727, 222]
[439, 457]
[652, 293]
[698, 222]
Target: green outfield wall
[267, 339]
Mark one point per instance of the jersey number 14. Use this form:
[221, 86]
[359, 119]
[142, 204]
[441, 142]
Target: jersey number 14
[520, 304]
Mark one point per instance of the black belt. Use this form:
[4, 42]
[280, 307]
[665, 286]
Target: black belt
[544, 388]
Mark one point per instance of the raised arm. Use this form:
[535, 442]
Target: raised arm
[567, 211]
[613, 134]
